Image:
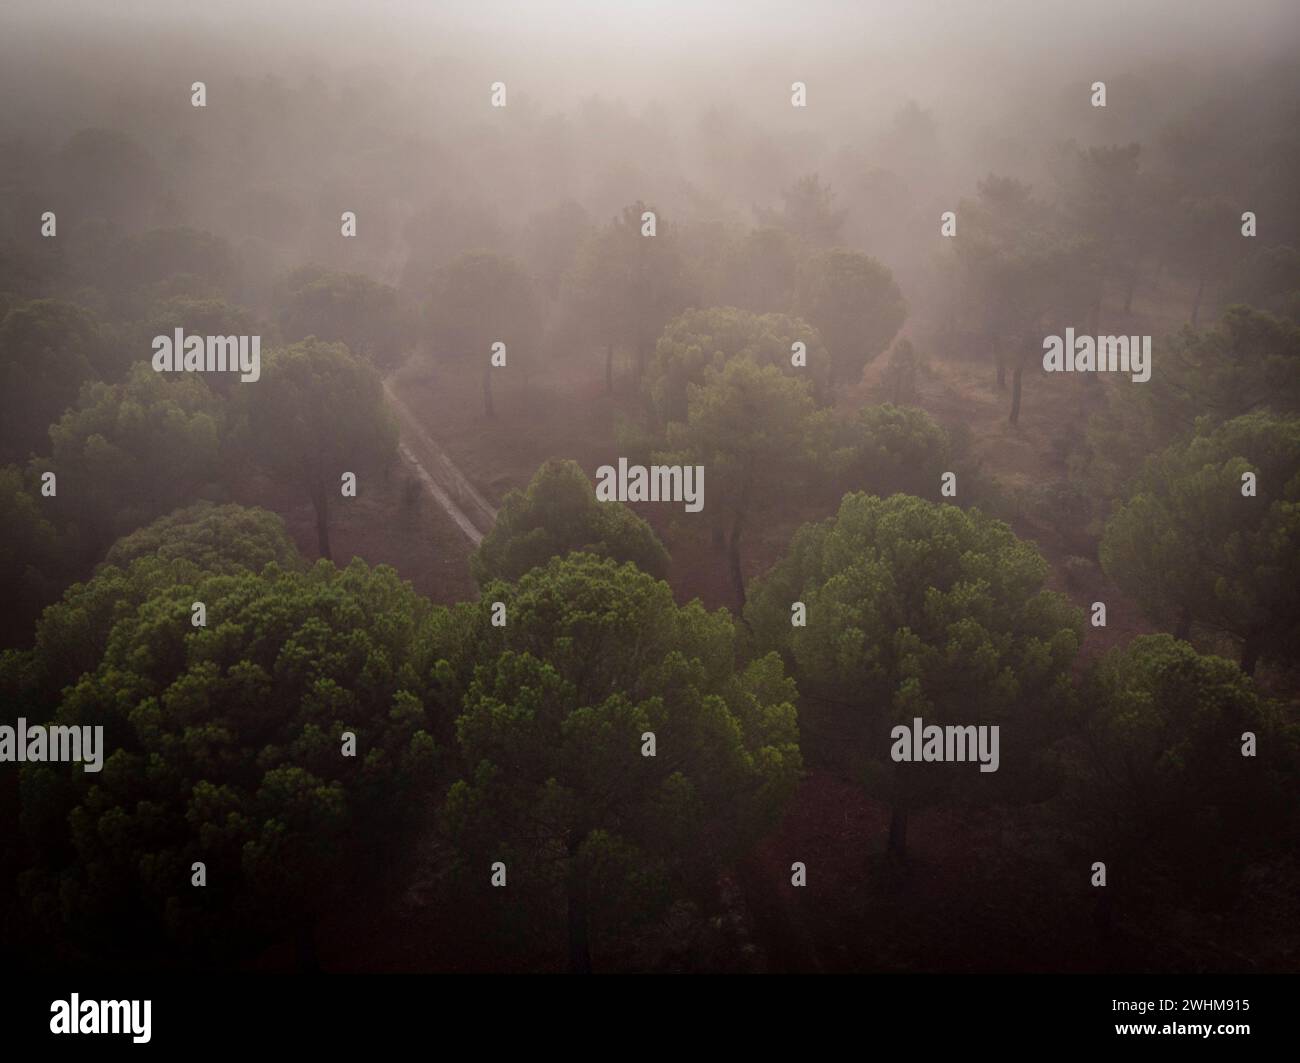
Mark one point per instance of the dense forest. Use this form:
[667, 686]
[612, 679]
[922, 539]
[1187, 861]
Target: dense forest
[388, 681]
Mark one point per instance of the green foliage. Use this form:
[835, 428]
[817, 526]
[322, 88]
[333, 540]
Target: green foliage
[854, 303]
[446, 226]
[555, 236]
[202, 317]
[593, 655]
[131, 451]
[700, 341]
[624, 287]
[1268, 279]
[888, 449]
[918, 609]
[109, 175]
[182, 547]
[1249, 358]
[177, 261]
[34, 555]
[317, 412]
[1247, 361]
[1191, 549]
[556, 514]
[749, 426]
[224, 747]
[1204, 242]
[215, 538]
[1024, 272]
[760, 271]
[1102, 194]
[1157, 776]
[1122, 211]
[347, 308]
[482, 297]
[1066, 508]
[900, 382]
[895, 448]
[808, 212]
[48, 349]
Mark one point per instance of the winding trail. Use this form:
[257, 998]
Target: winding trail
[473, 514]
[764, 880]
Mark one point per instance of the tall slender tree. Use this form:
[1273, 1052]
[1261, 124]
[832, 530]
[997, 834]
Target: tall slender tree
[480, 299]
[318, 412]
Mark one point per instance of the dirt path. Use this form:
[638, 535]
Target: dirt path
[473, 514]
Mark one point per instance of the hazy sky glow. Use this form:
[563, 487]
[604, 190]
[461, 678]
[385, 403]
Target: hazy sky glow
[614, 96]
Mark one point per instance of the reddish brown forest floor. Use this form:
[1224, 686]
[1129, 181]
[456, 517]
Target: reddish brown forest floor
[388, 523]
[974, 892]
[574, 418]
[860, 910]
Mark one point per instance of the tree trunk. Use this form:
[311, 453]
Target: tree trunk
[320, 502]
[1250, 652]
[1196, 303]
[1184, 629]
[1015, 394]
[640, 359]
[733, 547]
[579, 929]
[1128, 292]
[733, 560]
[488, 408]
[1002, 374]
[609, 369]
[898, 831]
